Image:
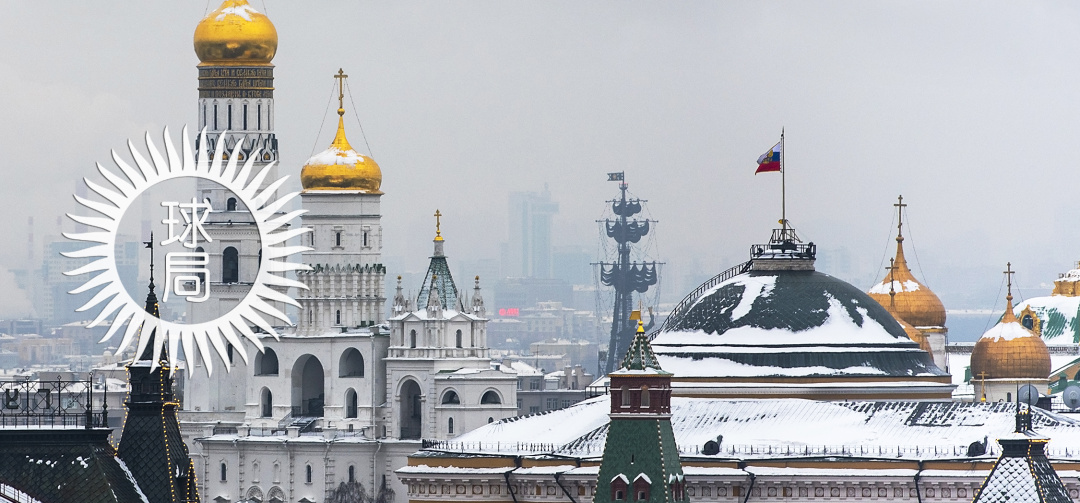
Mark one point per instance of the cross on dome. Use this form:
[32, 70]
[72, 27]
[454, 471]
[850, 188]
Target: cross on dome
[341, 90]
[438, 225]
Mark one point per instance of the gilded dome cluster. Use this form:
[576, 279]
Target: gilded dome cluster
[235, 34]
[915, 303]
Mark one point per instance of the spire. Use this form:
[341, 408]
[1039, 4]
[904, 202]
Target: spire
[1009, 317]
[433, 302]
[399, 300]
[640, 355]
[438, 274]
[477, 300]
[340, 142]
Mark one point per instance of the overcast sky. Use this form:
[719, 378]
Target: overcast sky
[969, 109]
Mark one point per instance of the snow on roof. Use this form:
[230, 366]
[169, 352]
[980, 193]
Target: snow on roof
[644, 477]
[766, 428]
[897, 286]
[1007, 331]
[243, 11]
[620, 477]
[711, 367]
[1058, 314]
[524, 369]
[839, 328]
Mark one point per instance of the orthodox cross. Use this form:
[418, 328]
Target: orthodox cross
[438, 223]
[341, 90]
[982, 380]
[892, 281]
[900, 215]
[1008, 274]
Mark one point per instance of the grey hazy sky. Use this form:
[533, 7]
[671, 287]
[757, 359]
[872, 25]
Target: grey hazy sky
[967, 108]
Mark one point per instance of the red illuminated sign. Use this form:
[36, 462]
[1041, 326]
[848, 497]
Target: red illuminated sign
[508, 311]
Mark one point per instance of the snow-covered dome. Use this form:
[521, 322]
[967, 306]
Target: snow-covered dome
[235, 34]
[1010, 351]
[340, 167]
[1058, 313]
[915, 303]
[788, 323]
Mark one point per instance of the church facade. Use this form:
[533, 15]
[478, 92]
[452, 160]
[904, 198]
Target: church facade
[347, 395]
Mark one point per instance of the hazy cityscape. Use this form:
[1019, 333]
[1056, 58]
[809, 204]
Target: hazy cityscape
[539, 240]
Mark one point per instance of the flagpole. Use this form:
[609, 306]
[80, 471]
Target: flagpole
[783, 185]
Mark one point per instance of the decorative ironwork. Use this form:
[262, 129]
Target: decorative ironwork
[31, 404]
[694, 295]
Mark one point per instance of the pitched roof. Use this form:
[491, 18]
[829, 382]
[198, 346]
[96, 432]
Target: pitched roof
[1022, 473]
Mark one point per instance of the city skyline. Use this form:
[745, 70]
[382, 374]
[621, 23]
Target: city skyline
[463, 105]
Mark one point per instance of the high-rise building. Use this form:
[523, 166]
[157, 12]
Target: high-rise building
[529, 251]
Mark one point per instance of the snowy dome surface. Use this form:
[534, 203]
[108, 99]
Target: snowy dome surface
[788, 323]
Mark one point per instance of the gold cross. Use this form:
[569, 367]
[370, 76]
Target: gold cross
[1008, 274]
[341, 90]
[438, 223]
[900, 214]
[892, 279]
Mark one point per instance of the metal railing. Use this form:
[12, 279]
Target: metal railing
[696, 294]
[58, 403]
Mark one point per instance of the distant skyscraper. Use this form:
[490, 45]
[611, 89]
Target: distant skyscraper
[530, 234]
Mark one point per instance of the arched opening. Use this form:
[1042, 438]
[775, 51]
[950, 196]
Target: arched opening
[645, 396]
[350, 403]
[230, 265]
[267, 403]
[410, 408]
[230, 205]
[337, 317]
[224, 472]
[625, 397]
[352, 474]
[351, 364]
[491, 420]
[307, 387]
[450, 398]
[266, 363]
[412, 338]
[457, 339]
[490, 397]
[449, 427]
[307, 474]
[337, 238]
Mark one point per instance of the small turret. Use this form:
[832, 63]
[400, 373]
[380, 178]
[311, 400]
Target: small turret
[434, 305]
[478, 308]
[400, 304]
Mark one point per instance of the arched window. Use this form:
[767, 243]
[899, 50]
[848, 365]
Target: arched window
[645, 396]
[230, 267]
[412, 338]
[267, 403]
[351, 364]
[625, 397]
[230, 205]
[215, 117]
[490, 397]
[457, 339]
[229, 352]
[258, 114]
[450, 398]
[224, 472]
[491, 420]
[352, 474]
[365, 239]
[450, 426]
[229, 109]
[266, 363]
[350, 403]
[337, 317]
[307, 477]
[337, 238]
[245, 116]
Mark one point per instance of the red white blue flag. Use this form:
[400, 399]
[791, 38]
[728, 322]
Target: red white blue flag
[770, 161]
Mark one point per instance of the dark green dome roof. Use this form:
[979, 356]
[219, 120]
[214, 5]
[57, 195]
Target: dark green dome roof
[788, 323]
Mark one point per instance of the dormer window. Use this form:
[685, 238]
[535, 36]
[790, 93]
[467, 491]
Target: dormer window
[619, 486]
[642, 487]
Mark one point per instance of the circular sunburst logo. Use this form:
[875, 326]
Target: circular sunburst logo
[186, 271]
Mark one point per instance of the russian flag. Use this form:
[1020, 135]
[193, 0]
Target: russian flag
[769, 161]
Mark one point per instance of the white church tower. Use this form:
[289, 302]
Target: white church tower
[439, 376]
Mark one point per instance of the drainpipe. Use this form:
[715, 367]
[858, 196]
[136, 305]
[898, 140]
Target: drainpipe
[918, 492]
[753, 479]
[510, 488]
[567, 493]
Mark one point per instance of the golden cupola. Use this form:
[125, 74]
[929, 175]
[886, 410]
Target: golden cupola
[914, 302]
[1009, 350]
[340, 167]
[913, 333]
[235, 34]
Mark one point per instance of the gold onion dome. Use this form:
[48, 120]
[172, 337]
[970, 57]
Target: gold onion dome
[340, 167]
[235, 34]
[913, 333]
[915, 303]
[1010, 351]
